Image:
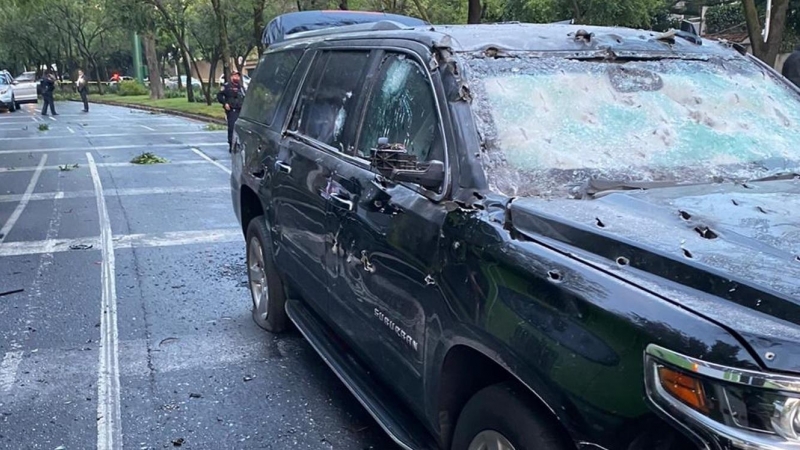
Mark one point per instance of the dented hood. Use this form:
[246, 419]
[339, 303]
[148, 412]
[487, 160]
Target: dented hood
[730, 252]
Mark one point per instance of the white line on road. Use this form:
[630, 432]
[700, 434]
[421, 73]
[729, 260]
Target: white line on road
[109, 419]
[208, 158]
[6, 198]
[8, 370]
[52, 118]
[71, 130]
[35, 119]
[26, 197]
[160, 133]
[144, 147]
[115, 164]
[147, 128]
[126, 241]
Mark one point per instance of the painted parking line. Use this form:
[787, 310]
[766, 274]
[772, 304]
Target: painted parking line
[105, 135]
[124, 241]
[114, 147]
[212, 161]
[109, 417]
[125, 192]
[8, 370]
[115, 164]
[23, 201]
[147, 128]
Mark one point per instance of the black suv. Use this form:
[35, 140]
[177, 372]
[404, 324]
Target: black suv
[536, 237]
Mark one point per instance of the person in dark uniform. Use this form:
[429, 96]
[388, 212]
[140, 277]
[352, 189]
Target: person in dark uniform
[232, 96]
[83, 89]
[791, 68]
[48, 86]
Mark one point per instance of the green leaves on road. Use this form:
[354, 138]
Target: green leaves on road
[148, 158]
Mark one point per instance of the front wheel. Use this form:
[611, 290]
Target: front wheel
[266, 286]
[12, 106]
[496, 418]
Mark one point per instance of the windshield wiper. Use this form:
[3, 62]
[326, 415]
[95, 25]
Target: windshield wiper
[778, 176]
[596, 187]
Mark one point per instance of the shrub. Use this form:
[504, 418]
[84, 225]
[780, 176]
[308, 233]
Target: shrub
[724, 17]
[132, 88]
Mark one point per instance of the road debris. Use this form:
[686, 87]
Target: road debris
[248, 378]
[195, 395]
[68, 167]
[148, 158]
[80, 246]
[178, 442]
[15, 291]
[44, 127]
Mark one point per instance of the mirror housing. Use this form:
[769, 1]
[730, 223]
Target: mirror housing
[394, 163]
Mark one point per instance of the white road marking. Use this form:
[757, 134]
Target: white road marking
[71, 130]
[208, 158]
[35, 119]
[147, 128]
[126, 241]
[6, 198]
[52, 118]
[144, 147]
[116, 164]
[104, 135]
[26, 197]
[8, 370]
[109, 419]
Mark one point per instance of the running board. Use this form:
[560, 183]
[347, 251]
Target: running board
[399, 424]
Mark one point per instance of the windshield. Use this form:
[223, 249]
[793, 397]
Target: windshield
[551, 124]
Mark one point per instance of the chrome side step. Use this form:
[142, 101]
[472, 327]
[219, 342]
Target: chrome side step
[398, 423]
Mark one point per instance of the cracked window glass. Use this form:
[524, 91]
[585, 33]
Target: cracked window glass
[329, 96]
[550, 124]
[402, 109]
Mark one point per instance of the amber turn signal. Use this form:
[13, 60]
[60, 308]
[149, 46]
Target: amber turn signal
[683, 387]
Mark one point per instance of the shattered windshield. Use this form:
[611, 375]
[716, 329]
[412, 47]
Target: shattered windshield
[549, 125]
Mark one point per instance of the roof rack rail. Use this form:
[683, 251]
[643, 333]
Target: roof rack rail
[383, 25]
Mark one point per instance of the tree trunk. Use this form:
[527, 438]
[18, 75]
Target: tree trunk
[222, 27]
[150, 55]
[766, 51]
[188, 70]
[258, 26]
[97, 74]
[211, 72]
[474, 12]
[343, 5]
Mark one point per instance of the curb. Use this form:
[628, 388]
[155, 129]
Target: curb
[199, 117]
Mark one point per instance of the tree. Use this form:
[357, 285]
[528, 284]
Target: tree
[474, 11]
[142, 18]
[224, 43]
[766, 51]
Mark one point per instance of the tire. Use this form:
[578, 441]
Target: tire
[269, 310]
[12, 106]
[498, 413]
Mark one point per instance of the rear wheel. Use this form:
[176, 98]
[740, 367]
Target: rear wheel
[266, 286]
[496, 418]
[13, 105]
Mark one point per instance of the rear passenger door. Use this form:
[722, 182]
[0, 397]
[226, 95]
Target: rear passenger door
[318, 131]
[387, 234]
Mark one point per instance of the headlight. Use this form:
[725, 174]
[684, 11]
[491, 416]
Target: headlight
[743, 408]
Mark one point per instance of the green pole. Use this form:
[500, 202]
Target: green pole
[137, 58]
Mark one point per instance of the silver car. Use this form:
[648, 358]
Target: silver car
[24, 87]
[7, 99]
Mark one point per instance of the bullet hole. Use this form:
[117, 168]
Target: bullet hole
[687, 253]
[705, 232]
[685, 215]
[735, 203]
[478, 195]
[623, 261]
[599, 222]
[761, 210]
[769, 355]
[555, 275]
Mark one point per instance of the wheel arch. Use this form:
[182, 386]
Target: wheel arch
[467, 369]
[250, 206]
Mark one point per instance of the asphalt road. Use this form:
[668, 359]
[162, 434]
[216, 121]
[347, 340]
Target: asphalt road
[133, 325]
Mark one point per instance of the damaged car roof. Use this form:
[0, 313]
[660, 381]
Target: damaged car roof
[523, 37]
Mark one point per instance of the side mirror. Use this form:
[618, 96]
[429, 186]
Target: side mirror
[393, 162]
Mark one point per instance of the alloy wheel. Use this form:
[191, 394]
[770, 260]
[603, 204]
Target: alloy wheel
[258, 276]
[490, 440]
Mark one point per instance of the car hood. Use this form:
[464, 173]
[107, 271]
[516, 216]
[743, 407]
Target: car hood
[730, 252]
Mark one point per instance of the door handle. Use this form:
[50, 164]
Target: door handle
[283, 167]
[341, 202]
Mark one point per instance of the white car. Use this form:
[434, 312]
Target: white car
[7, 100]
[24, 87]
[172, 82]
[245, 80]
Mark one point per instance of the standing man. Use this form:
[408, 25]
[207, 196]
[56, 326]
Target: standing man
[232, 96]
[83, 89]
[791, 68]
[48, 85]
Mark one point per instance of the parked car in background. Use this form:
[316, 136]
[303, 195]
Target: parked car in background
[172, 83]
[7, 99]
[531, 237]
[25, 88]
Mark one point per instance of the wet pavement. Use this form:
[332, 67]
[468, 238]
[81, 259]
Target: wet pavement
[131, 326]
